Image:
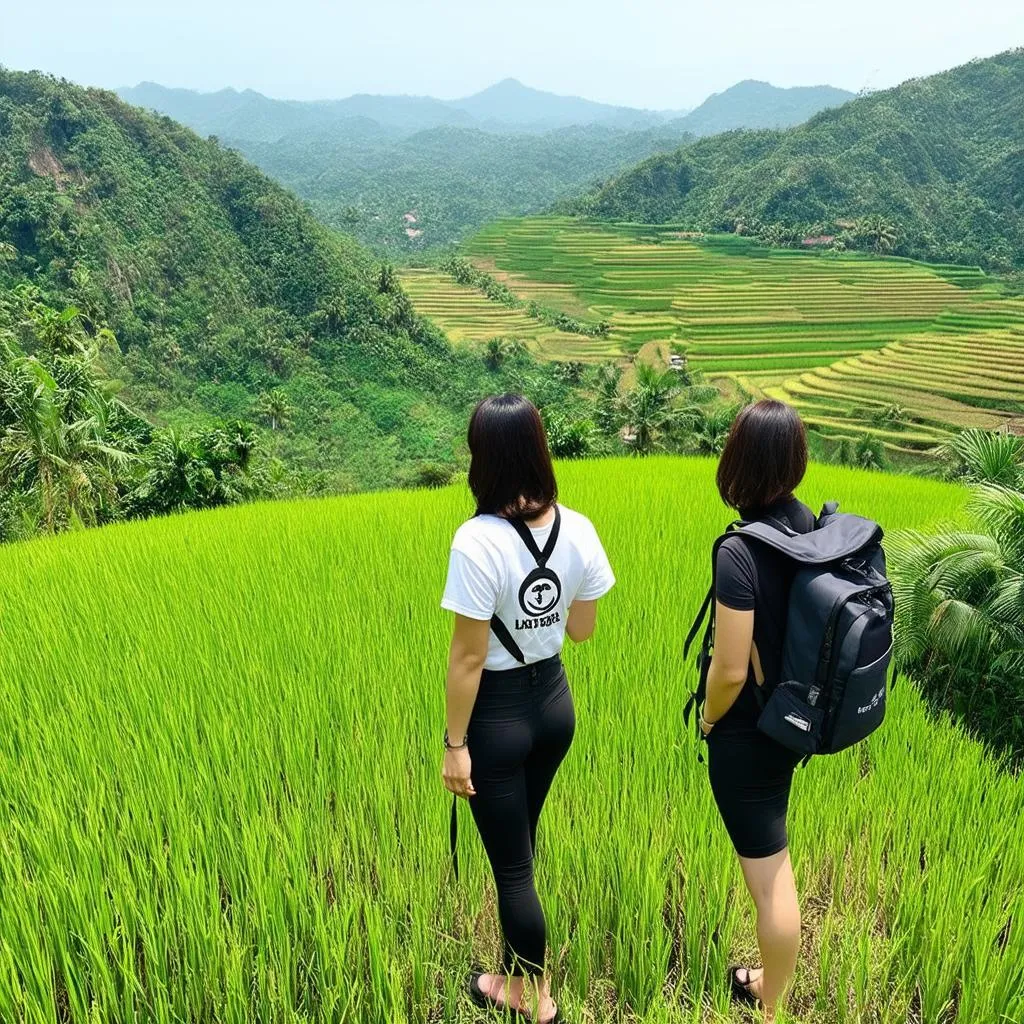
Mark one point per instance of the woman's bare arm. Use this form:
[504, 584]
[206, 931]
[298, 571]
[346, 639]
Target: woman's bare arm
[734, 639]
[466, 659]
[581, 621]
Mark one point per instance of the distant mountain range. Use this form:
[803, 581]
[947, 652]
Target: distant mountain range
[404, 173]
[506, 107]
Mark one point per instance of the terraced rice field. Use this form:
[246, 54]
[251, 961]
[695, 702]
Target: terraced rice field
[842, 336]
[967, 371]
[466, 314]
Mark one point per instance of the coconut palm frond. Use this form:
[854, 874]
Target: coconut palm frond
[962, 632]
[914, 609]
[966, 571]
[1006, 601]
[986, 457]
[1001, 510]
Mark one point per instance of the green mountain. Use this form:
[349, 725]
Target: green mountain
[510, 104]
[370, 164]
[435, 187]
[221, 288]
[752, 104]
[931, 169]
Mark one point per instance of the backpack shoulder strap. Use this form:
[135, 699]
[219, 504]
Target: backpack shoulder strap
[707, 612]
[708, 604]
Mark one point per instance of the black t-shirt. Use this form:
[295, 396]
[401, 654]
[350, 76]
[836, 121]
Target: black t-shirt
[751, 576]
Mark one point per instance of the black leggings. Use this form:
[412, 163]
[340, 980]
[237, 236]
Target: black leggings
[521, 728]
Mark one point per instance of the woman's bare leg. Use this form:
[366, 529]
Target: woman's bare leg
[771, 884]
[512, 990]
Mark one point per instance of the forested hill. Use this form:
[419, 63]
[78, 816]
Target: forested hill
[406, 173]
[933, 168]
[430, 189]
[220, 288]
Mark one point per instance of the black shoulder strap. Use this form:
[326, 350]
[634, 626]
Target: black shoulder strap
[708, 604]
[539, 556]
[699, 621]
[707, 611]
[501, 631]
[506, 639]
[453, 835]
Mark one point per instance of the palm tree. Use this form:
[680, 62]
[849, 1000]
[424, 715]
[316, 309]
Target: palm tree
[981, 456]
[197, 470]
[882, 235]
[711, 430]
[608, 410]
[496, 351]
[869, 453]
[960, 605]
[175, 478]
[648, 408]
[273, 406]
[54, 441]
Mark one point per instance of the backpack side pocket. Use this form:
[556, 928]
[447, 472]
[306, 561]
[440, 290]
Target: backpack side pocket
[788, 719]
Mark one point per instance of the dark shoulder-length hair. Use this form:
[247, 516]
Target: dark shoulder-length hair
[510, 471]
[765, 457]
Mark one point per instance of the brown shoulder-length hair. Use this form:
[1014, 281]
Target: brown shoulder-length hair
[765, 457]
[510, 471]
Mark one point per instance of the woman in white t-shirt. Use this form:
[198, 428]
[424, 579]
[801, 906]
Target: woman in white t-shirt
[523, 572]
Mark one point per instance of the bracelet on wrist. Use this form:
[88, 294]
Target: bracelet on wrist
[705, 724]
[448, 745]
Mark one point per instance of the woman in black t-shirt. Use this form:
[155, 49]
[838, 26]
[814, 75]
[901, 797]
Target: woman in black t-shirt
[763, 462]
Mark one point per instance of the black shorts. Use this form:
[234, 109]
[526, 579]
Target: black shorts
[750, 779]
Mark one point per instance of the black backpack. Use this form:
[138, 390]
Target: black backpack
[838, 642]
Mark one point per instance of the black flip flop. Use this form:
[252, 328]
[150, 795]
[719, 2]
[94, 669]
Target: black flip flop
[740, 991]
[485, 1002]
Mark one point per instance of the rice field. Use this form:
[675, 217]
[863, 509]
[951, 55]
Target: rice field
[467, 315]
[221, 800]
[841, 336]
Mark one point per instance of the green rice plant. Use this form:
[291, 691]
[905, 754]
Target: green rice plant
[220, 798]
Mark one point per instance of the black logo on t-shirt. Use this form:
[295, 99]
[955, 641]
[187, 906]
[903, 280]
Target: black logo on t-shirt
[540, 592]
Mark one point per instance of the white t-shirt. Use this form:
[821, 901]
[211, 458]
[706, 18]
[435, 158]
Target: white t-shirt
[488, 570]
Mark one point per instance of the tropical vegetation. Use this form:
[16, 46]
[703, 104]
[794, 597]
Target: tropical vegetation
[72, 454]
[213, 295]
[930, 169]
[960, 594]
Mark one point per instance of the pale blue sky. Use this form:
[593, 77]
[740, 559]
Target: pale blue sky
[651, 53]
